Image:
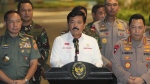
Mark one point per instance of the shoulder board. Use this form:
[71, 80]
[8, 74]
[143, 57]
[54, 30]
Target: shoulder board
[37, 26]
[122, 21]
[97, 22]
[27, 35]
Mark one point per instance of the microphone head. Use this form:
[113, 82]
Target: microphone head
[75, 40]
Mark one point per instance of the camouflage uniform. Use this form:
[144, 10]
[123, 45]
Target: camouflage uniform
[41, 38]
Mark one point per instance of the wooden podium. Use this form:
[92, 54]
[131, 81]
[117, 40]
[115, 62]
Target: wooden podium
[77, 72]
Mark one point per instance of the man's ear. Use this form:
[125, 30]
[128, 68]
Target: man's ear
[93, 15]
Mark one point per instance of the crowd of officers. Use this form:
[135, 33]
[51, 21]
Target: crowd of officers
[122, 47]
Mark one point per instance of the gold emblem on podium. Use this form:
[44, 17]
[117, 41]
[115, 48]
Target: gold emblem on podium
[78, 70]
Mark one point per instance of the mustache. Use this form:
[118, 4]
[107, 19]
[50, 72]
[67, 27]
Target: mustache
[75, 28]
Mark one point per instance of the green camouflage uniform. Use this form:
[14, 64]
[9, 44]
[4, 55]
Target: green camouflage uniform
[15, 55]
[41, 38]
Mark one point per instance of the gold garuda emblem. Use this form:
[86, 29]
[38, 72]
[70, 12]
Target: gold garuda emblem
[79, 70]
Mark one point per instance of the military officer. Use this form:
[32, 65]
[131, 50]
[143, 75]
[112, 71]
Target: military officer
[18, 52]
[131, 60]
[110, 29]
[98, 13]
[25, 8]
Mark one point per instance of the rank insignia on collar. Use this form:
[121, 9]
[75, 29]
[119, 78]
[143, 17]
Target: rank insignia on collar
[127, 65]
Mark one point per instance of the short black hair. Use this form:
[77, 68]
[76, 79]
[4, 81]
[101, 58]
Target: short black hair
[78, 8]
[23, 1]
[96, 7]
[9, 12]
[76, 13]
[136, 16]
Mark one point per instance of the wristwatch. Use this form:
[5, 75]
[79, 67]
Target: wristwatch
[26, 80]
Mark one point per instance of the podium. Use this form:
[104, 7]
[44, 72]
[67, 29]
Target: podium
[77, 72]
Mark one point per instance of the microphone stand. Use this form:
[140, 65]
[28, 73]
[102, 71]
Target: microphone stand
[76, 52]
[75, 41]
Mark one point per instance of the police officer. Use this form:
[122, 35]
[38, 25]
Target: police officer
[18, 53]
[131, 60]
[25, 8]
[110, 29]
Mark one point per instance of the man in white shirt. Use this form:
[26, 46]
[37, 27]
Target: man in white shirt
[63, 50]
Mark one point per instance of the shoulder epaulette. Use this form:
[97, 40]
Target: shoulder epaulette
[122, 21]
[27, 35]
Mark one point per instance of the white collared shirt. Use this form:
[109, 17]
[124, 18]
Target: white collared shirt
[63, 50]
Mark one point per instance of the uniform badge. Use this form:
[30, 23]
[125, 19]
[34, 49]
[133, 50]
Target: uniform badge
[5, 46]
[127, 57]
[120, 26]
[102, 27]
[147, 65]
[147, 58]
[147, 50]
[102, 34]
[104, 40]
[25, 57]
[22, 51]
[105, 20]
[127, 65]
[127, 48]
[28, 51]
[35, 46]
[116, 48]
[6, 58]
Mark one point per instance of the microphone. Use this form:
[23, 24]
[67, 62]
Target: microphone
[76, 45]
[75, 41]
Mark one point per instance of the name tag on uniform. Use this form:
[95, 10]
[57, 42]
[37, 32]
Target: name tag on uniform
[5, 46]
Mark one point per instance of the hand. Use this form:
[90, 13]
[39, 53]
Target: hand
[138, 80]
[131, 80]
[19, 82]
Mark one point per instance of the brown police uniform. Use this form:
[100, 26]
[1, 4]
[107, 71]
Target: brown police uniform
[110, 33]
[131, 58]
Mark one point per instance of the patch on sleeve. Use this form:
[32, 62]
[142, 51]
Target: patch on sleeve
[35, 45]
[116, 48]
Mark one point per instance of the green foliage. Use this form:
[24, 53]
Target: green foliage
[126, 13]
[60, 4]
